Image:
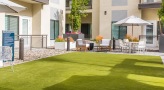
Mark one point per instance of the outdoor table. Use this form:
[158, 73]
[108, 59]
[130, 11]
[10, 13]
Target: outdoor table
[131, 45]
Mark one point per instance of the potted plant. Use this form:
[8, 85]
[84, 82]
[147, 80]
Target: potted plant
[98, 40]
[60, 43]
[78, 8]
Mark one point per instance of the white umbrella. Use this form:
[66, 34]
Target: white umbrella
[132, 21]
[10, 7]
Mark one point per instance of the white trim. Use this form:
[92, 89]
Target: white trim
[146, 0]
[154, 22]
[29, 27]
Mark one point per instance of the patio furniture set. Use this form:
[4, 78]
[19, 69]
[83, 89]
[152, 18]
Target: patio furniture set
[107, 45]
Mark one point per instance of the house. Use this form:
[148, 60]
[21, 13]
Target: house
[103, 13]
[39, 24]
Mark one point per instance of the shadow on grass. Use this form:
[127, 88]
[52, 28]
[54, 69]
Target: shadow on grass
[116, 80]
[4, 88]
[59, 60]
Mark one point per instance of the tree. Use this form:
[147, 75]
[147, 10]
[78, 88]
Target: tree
[161, 17]
[78, 8]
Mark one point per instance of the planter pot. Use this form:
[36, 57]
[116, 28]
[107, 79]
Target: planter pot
[74, 36]
[60, 45]
[63, 45]
[161, 43]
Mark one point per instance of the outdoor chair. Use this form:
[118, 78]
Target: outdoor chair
[123, 47]
[81, 45]
[141, 47]
[6, 55]
[105, 44]
[126, 42]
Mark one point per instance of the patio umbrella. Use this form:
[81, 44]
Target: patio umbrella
[132, 21]
[10, 7]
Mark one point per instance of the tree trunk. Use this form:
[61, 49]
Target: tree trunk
[160, 27]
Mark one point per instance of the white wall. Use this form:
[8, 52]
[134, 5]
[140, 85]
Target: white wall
[61, 7]
[2, 26]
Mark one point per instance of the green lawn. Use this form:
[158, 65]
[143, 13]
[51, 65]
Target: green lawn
[86, 71]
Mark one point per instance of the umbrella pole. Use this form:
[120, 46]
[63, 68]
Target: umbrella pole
[132, 29]
[132, 32]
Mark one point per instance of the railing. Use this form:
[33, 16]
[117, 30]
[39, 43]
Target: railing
[34, 41]
[149, 1]
[68, 3]
[150, 39]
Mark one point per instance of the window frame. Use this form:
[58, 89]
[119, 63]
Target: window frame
[16, 39]
[118, 31]
[54, 29]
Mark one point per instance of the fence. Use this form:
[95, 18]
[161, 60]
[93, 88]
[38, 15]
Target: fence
[150, 39]
[33, 41]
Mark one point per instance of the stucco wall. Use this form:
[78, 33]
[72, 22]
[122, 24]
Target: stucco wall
[105, 19]
[101, 23]
[36, 19]
[150, 14]
[2, 25]
[95, 17]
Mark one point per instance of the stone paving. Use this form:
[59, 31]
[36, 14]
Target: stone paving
[35, 54]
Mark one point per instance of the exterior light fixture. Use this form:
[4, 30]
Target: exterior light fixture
[105, 12]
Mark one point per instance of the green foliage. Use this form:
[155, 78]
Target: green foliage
[59, 39]
[161, 16]
[86, 71]
[78, 8]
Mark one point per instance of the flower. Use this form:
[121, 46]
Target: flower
[59, 39]
[98, 39]
[71, 39]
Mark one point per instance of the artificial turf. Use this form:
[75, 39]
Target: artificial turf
[86, 71]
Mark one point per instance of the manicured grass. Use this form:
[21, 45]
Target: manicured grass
[86, 71]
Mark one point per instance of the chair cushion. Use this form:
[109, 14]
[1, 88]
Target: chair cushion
[104, 44]
[105, 41]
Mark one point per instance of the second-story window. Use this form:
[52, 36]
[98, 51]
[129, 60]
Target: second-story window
[149, 1]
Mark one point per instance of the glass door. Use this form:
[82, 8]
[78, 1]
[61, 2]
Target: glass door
[25, 30]
[118, 32]
[150, 31]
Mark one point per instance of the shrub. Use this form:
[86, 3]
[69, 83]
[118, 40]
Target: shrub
[59, 39]
[129, 37]
[135, 39]
[71, 39]
[98, 39]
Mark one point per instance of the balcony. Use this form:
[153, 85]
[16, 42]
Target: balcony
[150, 4]
[68, 4]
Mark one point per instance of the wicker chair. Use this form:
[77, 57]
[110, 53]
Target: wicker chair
[81, 45]
[105, 44]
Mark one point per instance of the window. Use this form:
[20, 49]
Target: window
[55, 1]
[119, 2]
[86, 30]
[149, 1]
[67, 28]
[118, 32]
[149, 34]
[54, 29]
[12, 24]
